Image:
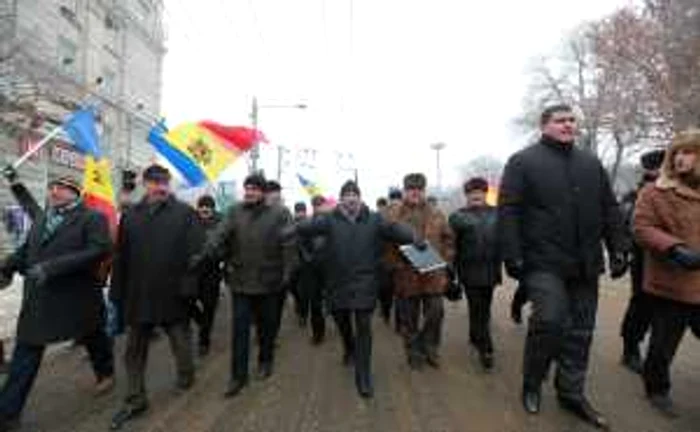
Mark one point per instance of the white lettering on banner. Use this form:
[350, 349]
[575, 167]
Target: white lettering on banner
[64, 155]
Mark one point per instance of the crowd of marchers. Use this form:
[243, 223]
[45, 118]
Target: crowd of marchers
[556, 226]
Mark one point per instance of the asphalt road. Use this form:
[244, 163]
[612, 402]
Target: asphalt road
[312, 391]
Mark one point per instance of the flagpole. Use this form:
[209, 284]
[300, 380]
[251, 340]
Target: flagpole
[36, 148]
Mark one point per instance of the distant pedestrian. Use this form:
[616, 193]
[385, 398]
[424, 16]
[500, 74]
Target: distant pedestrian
[422, 293]
[478, 262]
[210, 277]
[639, 313]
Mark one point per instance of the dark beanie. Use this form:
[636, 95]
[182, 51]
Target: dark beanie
[256, 181]
[415, 180]
[156, 173]
[395, 194]
[318, 200]
[272, 186]
[653, 159]
[476, 183]
[206, 201]
[349, 187]
[299, 207]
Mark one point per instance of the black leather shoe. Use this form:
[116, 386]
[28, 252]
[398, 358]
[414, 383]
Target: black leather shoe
[632, 360]
[125, 415]
[203, 350]
[365, 392]
[532, 399]
[348, 358]
[416, 363]
[317, 339]
[235, 387]
[486, 361]
[185, 383]
[433, 360]
[264, 371]
[664, 404]
[9, 425]
[583, 410]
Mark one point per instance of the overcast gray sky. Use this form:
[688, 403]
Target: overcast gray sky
[383, 78]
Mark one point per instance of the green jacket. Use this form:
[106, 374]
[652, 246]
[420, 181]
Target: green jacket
[251, 241]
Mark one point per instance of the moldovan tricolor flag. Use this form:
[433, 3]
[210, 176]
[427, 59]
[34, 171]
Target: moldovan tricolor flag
[98, 192]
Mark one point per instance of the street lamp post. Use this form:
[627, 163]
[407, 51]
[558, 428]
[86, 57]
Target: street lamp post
[438, 147]
[254, 120]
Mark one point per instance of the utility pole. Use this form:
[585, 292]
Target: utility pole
[255, 152]
[438, 147]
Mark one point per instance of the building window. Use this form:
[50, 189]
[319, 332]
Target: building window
[109, 81]
[142, 10]
[106, 140]
[67, 56]
[69, 11]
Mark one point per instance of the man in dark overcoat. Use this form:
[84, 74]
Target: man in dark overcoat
[152, 283]
[62, 300]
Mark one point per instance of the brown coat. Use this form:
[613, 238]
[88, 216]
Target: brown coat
[667, 214]
[432, 225]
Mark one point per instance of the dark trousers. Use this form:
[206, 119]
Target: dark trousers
[358, 343]
[208, 296]
[423, 340]
[479, 301]
[640, 311]
[561, 328]
[263, 309]
[669, 322]
[138, 342]
[278, 314]
[519, 297]
[25, 363]
[386, 294]
[311, 283]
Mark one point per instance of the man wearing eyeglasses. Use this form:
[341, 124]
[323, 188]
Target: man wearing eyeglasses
[556, 209]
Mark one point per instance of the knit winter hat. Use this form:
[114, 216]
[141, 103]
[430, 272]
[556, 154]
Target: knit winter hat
[349, 187]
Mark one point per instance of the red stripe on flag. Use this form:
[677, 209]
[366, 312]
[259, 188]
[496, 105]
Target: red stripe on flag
[239, 138]
[106, 208]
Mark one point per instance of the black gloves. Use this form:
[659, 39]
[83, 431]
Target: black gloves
[684, 257]
[618, 265]
[195, 263]
[420, 244]
[515, 268]
[37, 274]
[10, 174]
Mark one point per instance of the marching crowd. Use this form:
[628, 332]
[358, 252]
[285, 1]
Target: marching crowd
[557, 213]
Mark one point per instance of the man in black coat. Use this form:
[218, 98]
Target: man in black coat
[209, 280]
[478, 262]
[312, 278]
[62, 300]
[556, 208]
[152, 283]
[260, 260]
[639, 313]
[355, 239]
